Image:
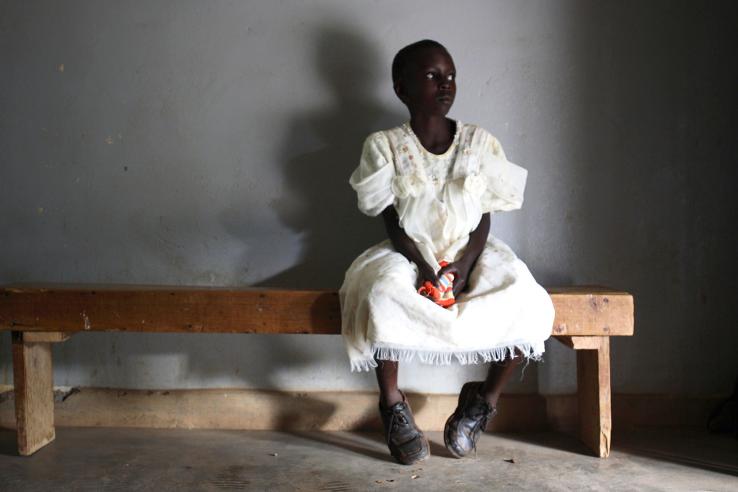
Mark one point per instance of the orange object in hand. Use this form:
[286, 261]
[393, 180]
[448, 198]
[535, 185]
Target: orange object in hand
[443, 295]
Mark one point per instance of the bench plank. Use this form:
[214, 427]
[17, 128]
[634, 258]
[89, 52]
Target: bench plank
[592, 311]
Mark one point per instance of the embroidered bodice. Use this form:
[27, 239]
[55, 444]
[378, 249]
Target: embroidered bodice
[439, 198]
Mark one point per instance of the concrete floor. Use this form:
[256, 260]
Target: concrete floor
[159, 460]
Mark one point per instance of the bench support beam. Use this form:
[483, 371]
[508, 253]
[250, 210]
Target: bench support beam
[34, 389]
[593, 391]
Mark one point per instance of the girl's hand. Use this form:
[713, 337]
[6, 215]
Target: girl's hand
[426, 273]
[464, 265]
[460, 271]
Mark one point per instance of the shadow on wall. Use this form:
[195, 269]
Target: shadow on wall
[319, 151]
[650, 144]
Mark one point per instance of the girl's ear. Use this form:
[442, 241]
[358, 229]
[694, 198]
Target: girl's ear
[400, 91]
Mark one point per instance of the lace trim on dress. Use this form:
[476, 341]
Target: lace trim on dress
[529, 352]
[409, 131]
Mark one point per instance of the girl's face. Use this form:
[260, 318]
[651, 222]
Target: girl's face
[428, 85]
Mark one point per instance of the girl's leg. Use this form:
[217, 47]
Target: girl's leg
[497, 377]
[477, 404]
[406, 442]
[389, 393]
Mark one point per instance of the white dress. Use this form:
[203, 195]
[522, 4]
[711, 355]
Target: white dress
[440, 200]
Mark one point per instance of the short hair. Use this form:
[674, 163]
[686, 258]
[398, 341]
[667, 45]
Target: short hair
[403, 57]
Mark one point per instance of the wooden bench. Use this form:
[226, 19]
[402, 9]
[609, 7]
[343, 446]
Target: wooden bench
[41, 315]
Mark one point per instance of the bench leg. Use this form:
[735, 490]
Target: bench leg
[34, 394]
[593, 391]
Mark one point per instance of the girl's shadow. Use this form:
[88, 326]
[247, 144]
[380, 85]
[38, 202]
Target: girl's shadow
[318, 152]
[320, 149]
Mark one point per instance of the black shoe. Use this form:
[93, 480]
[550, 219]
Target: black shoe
[470, 418]
[406, 442]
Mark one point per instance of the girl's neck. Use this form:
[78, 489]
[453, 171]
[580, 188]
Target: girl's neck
[435, 132]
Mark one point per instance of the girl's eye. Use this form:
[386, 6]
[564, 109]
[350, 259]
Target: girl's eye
[451, 77]
[429, 75]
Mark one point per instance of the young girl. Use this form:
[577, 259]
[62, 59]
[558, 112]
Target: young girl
[436, 181]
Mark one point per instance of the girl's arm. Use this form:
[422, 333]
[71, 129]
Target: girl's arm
[464, 265]
[406, 246]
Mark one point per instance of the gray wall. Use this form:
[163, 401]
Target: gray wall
[209, 143]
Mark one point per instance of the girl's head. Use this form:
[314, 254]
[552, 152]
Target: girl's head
[424, 78]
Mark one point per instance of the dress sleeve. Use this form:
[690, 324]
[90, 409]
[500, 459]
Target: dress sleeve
[372, 180]
[505, 180]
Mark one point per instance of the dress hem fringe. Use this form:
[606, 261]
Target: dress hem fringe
[444, 358]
